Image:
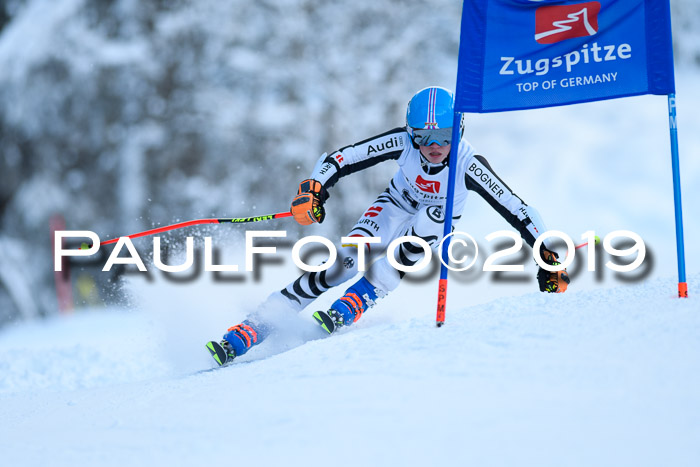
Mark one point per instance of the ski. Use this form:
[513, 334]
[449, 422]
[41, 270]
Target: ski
[325, 321]
[219, 353]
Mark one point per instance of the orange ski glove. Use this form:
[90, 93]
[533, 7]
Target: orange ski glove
[307, 205]
[555, 281]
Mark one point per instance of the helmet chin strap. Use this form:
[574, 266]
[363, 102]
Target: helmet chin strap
[430, 167]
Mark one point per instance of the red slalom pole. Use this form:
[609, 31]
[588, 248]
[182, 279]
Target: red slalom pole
[234, 220]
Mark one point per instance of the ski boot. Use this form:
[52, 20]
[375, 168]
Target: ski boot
[349, 308]
[236, 342]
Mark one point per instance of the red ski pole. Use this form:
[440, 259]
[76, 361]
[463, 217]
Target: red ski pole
[234, 220]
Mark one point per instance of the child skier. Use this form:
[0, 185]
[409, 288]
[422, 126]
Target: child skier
[411, 205]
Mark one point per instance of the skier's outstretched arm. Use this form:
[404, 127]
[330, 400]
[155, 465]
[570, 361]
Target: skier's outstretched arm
[481, 178]
[307, 205]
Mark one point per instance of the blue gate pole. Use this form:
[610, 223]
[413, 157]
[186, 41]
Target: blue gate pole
[442, 285]
[680, 249]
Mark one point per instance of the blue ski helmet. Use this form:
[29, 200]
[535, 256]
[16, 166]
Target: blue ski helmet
[430, 108]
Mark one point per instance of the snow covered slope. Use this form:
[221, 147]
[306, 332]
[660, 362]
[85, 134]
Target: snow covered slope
[596, 377]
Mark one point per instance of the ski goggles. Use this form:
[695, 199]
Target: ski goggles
[442, 136]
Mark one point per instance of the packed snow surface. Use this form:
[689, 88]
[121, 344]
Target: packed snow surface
[593, 377]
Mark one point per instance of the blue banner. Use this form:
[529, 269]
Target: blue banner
[522, 54]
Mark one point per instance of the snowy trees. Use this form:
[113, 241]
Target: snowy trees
[121, 115]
